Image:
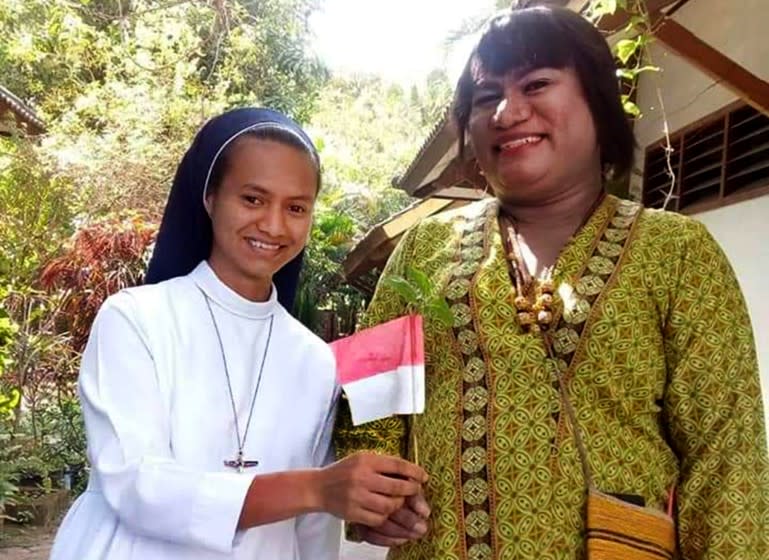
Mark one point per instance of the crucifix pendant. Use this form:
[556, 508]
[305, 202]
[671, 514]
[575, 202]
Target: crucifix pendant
[240, 464]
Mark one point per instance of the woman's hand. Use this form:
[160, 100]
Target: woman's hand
[367, 488]
[409, 523]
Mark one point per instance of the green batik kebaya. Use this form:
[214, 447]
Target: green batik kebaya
[655, 343]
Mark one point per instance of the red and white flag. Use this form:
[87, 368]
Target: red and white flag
[382, 369]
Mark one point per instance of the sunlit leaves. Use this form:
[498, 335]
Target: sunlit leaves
[625, 49]
[123, 86]
[630, 107]
[420, 295]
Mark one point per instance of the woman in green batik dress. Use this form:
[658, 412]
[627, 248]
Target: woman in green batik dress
[643, 317]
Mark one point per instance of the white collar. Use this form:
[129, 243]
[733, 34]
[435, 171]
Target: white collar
[216, 290]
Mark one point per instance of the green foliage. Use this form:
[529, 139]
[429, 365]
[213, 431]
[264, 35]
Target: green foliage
[43, 423]
[632, 73]
[630, 107]
[599, 8]
[435, 98]
[9, 475]
[406, 290]
[37, 208]
[9, 400]
[370, 130]
[367, 132]
[41, 355]
[124, 85]
[419, 295]
[51, 443]
[625, 49]
[9, 396]
[47, 331]
[629, 51]
[55, 51]
[322, 277]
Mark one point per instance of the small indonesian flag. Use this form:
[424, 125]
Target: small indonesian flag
[382, 369]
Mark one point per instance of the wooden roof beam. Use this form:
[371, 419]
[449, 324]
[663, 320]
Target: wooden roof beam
[713, 62]
[456, 172]
[358, 261]
[460, 193]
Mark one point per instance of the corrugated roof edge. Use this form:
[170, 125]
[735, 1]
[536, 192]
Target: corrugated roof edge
[23, 110]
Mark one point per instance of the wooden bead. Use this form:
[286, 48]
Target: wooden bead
[522, 303]
[526, 318]
[545, 300]
[545, 317]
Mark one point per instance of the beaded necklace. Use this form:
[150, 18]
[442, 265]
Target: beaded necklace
[534, 295]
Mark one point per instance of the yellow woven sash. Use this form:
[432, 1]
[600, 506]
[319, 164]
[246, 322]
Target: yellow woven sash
[617, 530]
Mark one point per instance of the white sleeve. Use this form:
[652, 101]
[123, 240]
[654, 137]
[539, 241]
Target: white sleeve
[129, 445]
[320, 534]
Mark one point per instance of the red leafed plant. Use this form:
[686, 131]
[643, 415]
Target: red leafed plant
[102, 258]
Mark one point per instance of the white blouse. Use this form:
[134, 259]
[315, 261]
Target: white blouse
[160, 425]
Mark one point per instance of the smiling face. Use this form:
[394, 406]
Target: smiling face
[533, 133]
[542, 82]
[261, 213]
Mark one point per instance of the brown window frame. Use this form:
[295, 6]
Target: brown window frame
[719, 152]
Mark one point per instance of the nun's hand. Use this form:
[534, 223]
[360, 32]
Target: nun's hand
[367, 488]
[409, 523]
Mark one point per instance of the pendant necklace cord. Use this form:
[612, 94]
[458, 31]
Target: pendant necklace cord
[241, 442]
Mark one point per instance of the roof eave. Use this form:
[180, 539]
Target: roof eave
[21, 110]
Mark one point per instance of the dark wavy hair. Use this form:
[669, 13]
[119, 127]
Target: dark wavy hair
[549, 37]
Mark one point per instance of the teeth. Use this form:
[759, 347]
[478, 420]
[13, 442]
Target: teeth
[262, 245]
[520, 142]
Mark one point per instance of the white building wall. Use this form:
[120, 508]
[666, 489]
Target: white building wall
[735, 27]
[738, 29]
[742, 230]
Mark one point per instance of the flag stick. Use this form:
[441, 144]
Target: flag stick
[414, 445]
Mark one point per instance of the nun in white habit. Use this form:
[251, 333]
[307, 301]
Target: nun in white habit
[208, 407]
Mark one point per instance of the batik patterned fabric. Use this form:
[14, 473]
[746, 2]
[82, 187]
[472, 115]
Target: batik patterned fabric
[654, 341]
